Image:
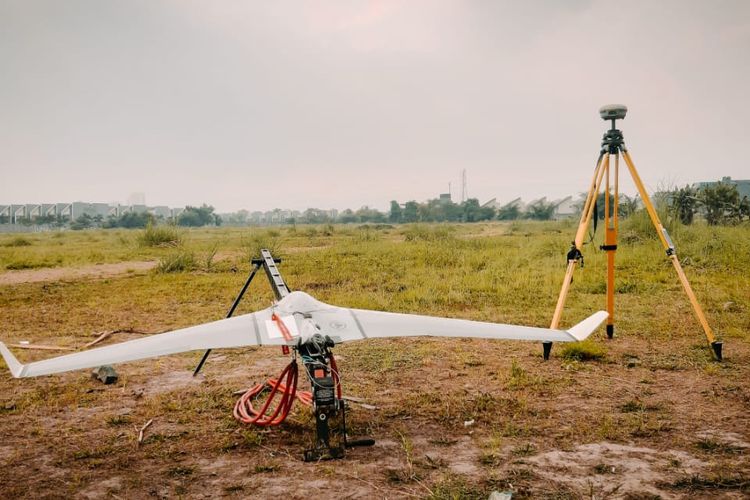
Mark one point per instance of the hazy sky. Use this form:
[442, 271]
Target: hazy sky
[264, 104]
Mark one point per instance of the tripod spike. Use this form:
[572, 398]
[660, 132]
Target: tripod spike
[546, 348]
[716, 345]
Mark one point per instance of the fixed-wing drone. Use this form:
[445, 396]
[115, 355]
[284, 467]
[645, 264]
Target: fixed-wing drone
[304, 327]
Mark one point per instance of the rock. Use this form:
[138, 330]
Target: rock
[500, 495]
[105, 374]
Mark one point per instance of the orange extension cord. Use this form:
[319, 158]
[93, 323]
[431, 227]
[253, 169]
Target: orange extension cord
[247, 414]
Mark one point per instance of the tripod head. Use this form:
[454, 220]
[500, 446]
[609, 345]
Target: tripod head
[613, 141]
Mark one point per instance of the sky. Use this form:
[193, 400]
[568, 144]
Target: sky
[338, 104]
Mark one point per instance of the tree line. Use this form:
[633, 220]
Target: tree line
[190, 217]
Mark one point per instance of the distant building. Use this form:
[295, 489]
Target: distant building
[137, 199]
[743, 186]
[565, 208]
[445, 198]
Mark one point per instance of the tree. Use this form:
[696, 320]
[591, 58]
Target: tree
[84, 221]
[395, 213]
[719, 202]
[684, 203]
[628, 205]
[198, 216]
[347, 216]
[540, 210]
[508, 212]
[473, 212]
[411, 211]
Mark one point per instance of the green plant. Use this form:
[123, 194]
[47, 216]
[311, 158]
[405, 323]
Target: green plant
[176, 262]
[159, 236]
[583, 351]
[18, 241]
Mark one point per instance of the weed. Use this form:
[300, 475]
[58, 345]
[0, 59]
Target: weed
[116, 420]
[267, 467]
[180, 471]
[159, 236]
[586, 350]
[259, 240]
[176, 262]
[18, 241]
[420, 232]
[712, 446]
[712, 482]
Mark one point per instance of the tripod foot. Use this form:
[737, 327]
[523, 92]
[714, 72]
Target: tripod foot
[716, 346]
[546, 349]
[610, 331]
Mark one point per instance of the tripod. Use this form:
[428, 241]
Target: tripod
[613, 146]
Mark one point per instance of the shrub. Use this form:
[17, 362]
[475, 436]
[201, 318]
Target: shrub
[160, 236]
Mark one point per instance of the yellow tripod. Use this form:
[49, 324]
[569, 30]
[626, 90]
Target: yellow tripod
[613, 146]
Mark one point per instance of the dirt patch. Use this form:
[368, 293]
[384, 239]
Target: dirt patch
[96, 271]
[608, 469]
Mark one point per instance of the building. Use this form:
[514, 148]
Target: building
[743, 186]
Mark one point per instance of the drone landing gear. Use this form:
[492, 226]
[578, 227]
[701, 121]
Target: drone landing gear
[328, 404]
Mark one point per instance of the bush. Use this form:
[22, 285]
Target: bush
[177, 262]
[160, 236]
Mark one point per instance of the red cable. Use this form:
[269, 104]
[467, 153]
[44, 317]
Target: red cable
[247, 414]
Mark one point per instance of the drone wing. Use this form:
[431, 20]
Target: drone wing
[302, 316]
[358, 324]
[245, 330]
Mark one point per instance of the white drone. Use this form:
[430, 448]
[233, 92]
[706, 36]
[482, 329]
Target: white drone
[310, 328]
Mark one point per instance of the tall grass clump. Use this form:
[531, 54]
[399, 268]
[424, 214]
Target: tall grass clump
[160, 236]
[18, 241]
[177, 262]
[419, 232]
[255, 242]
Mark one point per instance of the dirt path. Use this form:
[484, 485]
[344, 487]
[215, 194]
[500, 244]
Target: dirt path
[96, 271]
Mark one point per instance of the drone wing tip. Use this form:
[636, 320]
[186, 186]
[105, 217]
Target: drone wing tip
[16, 368]
[586, 327]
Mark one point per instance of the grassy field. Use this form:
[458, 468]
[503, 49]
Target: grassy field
[646, 415]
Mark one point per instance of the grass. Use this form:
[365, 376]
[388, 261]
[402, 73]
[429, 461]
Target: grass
[424, 389]
[587, 350]
[160, 236]
[177, 262]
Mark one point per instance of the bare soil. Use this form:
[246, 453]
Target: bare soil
[93, 271]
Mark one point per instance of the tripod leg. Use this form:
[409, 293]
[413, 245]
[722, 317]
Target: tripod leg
[588, 208]
[229, 315]
[669, 247]
[610, 244]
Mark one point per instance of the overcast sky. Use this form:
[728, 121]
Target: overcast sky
[259, 105]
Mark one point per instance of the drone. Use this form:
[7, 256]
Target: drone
[305, 328]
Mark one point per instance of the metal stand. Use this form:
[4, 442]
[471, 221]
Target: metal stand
[613, 145]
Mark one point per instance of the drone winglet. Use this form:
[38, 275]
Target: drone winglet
[583, 329]
[16, 368]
